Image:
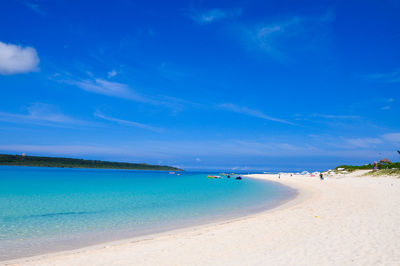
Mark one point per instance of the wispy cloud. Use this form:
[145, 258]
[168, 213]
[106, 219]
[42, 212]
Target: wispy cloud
[378, 141]
[212, 152]
[388, 103]
[114, 89]
[277, 37]
[73, 150]
[170, 149]
[112, 73]
[43, 114]
[330, 116]
[388, 77]
[251, 112]
[393, 137]
[121, 90]
[363, 142]
[34, 6]
[204, 149]
[127, 122]
[15, 59]
[212, 15]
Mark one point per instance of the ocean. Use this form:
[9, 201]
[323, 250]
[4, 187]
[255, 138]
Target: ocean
[52, 209]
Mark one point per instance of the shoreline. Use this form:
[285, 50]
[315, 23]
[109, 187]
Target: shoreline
[340, 220]
[293, 199]
[88, 168]
[88, 240]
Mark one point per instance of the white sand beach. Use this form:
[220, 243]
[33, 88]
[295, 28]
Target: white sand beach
[343, 220]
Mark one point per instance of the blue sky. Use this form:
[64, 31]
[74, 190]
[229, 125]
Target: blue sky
[202, 84]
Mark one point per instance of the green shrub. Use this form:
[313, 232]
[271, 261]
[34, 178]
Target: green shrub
[351, 168]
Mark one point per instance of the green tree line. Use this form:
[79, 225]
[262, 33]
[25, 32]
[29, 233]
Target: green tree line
[19, 160]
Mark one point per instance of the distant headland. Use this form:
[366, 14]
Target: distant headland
[39, 161]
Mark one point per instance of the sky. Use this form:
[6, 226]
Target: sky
[249, 85]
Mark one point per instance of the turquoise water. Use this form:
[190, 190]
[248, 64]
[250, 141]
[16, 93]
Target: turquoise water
[49, 209]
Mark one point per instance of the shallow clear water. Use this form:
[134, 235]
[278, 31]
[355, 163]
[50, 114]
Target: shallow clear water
[48, 209]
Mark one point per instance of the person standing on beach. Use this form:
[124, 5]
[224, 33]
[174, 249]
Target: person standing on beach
[321, 176]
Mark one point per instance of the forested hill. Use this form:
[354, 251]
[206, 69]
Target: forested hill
[20, 160]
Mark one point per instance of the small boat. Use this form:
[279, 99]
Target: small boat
[171, 173]
[214, 176]
[238, 178]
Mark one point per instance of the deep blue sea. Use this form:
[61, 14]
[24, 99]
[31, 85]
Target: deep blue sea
[51, 209]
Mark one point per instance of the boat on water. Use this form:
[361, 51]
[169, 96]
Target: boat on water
[214, 176]
[171, 173]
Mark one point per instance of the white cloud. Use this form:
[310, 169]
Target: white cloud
[16, 59]
[215, 14]
[247, 111]
[388, 102]
[275, 37]
[112, 73]
[394, 137]
[229, 151]
[387, 141]
[127, 122]
[105, 87]
[109, 88]
[35, 7]
[363, 142]
[40, 113]
[388, 77]
[329, 116]
[124, 91]
[63, 149]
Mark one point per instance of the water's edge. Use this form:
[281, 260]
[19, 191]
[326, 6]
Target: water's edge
[83, 241]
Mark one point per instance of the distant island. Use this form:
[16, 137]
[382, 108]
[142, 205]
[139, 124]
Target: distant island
[39, 161]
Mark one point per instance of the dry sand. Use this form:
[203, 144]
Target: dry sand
[343, 220]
